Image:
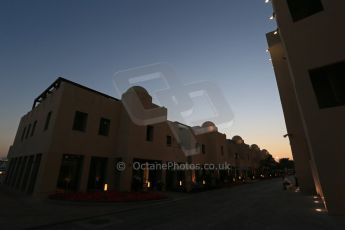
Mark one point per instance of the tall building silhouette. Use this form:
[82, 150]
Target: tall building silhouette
[308, 56]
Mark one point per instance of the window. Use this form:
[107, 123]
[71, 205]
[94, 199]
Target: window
[300, 9]
[13, 172]
[46, 125]
[169, 140]
[70, 172]
[27, 133]
[80, 121]
[21, 171]
[203, 148]
[33, 128]
[27, 173]
[16, 172]
[149, 133]
[104, 126]
[197, 146]
[222, 150]
[98, 167]
[34, 172]
[10, 170]
[23, 134]
[329, 84]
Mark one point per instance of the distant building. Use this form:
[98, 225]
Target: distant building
[308, 55]
[74, 137]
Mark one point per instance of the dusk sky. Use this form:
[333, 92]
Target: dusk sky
[221, 41]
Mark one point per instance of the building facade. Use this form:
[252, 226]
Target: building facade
[308, 55]
[74, 138]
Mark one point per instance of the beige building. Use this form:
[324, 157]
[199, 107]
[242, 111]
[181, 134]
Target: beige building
[308, 55]
[74, 138]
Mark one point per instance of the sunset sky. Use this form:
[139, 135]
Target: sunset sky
[219, 41]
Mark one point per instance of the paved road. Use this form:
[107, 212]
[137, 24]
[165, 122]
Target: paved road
[261, 205]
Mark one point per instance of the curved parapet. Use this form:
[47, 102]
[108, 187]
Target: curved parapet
[138, 104]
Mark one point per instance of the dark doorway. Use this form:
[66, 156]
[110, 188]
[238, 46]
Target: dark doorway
[97, 173]
[34, 173]
[170, 179]
[27, 173]
[21, 171]
[15, 173]
[147, 177]
[137, 180]
[70, 171]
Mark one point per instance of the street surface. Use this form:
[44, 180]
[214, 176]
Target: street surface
[259, 205]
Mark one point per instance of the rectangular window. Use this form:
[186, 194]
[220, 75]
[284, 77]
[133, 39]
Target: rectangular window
[203, 148]
[10, 170]
[169, 140]
[149, 133]
[23, 134]
[222, 150]
[27, 133]
[98, 166]
[21, 171]
[80, 121]
[70, 172]
[300, 9]
[197, 146]
[46, 125]
[16, 172]
[33, 128]
[34, 172]
[13, 162]
[329, 84]
[104, 127]
[27, 173]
